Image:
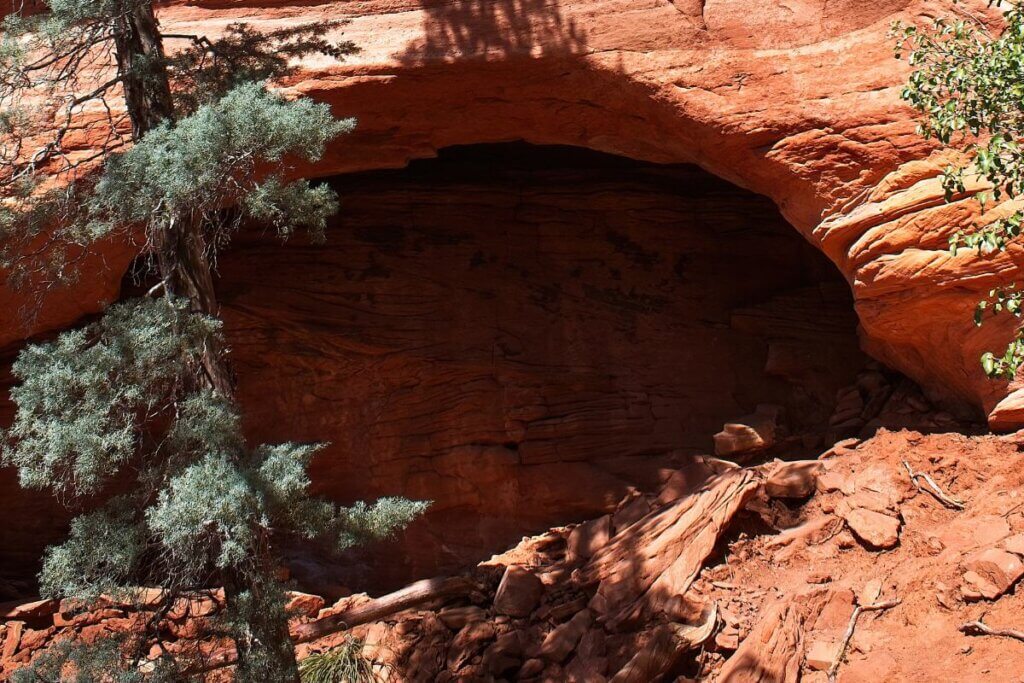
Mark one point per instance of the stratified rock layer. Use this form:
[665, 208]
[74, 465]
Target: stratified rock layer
[799, 103]
[796, 102]
[518, 334]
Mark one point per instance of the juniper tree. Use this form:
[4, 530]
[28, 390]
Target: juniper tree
[145, 394]
[968, 84]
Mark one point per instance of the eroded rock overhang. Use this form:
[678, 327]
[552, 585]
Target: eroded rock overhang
[802, 107]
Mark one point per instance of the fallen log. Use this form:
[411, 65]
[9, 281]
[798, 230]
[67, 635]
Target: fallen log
[413, 595]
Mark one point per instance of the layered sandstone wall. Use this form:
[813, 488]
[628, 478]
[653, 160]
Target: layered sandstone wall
[794, 100]
[519, 334]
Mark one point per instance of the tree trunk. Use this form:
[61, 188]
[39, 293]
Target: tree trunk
[140, 54]
[411, 596]
[265, 652]
[183, 256]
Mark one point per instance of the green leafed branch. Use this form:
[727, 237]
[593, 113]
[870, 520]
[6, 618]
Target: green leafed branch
[968, 85]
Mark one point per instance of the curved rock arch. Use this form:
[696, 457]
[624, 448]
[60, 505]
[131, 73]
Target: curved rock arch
[799, 103]
[805, 112]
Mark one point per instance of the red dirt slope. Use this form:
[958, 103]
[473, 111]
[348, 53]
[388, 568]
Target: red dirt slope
[723, 575]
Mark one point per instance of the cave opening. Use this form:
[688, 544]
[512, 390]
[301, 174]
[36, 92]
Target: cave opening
[522, 334]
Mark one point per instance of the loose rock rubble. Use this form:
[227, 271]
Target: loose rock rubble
[767, 573]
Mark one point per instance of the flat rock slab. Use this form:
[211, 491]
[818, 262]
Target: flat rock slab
[990, 573]
[518, 593]
[874, 528]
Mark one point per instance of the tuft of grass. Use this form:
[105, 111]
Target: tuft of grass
[342, 664]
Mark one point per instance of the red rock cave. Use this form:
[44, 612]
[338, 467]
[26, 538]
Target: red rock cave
[520, 334]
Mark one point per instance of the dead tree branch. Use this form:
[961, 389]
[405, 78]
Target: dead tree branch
[932, 488]
[412, 595]
[873, 607]
[980, 628]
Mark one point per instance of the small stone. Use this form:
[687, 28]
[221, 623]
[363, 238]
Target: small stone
[833, 481]
[148, 597]
[845, 540]
[586, 669]
[504, 654]
[589, 537]
[820, 654]
[560, 642]
[407, 626]
[1015, 544]
[793, 479]
[304, 604]
[28, 610]
[33, 639]
[990, 573]
[836, 610]
[935, 546]
[750, 433]
[518, 593]
[593, 645]
[943, 596]
[874, 528]
[561, 612]
[12, 638]
[728, 639]
[870, 593]
[469, 642]
[530, 668]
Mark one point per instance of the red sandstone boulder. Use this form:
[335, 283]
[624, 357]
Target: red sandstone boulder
[587, 538]
[304, 604]
[991, 573]
[518, 593]
[793, 479]
[874, 528]
[561, 642]
[749, 434]
[457, 617]
[28, 610]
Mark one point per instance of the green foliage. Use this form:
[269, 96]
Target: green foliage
[342, 664]
[364, 523]
[40, 57]
[969, 87]
[70, 661]
[82, 397]
[1002, 300]
[100, 556]
[207, 69]
[119, 391]
[82, 408]
[144, 390]
[283, 479]
[207, 161]
[209, 514]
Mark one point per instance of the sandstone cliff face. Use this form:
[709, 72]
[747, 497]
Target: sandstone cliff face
[794, 100]
[520, 334]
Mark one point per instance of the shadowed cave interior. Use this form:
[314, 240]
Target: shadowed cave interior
[520, 334]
